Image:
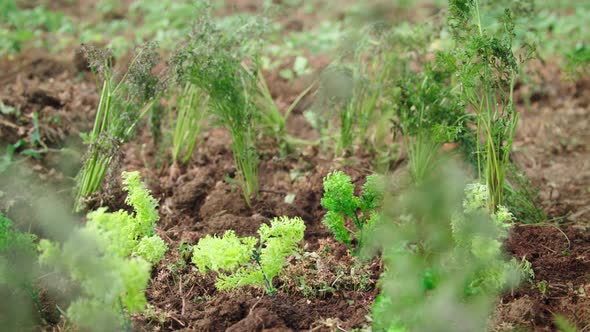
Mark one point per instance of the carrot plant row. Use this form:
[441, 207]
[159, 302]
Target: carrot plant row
[448, 82]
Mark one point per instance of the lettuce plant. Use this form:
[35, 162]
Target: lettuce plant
[343, 206]
[111, 259]
[240, 262]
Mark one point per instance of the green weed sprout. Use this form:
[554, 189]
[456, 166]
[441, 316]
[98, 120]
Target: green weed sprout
[343, 205]
[443, 256]
[111, 259]
[273, 121]
[242, 262]
[212, 61]
[487, 69]
[354, 90]
[123, 102]
[187, 123]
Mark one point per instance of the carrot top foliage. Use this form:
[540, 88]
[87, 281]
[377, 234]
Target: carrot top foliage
[487, 67]
[212, 61]
[342, 205]
[124, 99]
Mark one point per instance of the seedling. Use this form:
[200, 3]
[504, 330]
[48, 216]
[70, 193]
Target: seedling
[273, 121]
[353, 91]
[18, 26]
[487, 70]
[429, 115]
[212, 61]
[240, 262]
[344, 206]
[353, 107]
[122, 104]
[187, 124]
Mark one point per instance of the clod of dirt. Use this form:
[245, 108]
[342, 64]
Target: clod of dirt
[190, 195]
[223, 200]
[222, 312]
[260, 319]
[521, 310]
[44, 98]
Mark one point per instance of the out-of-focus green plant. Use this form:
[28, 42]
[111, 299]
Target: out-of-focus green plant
[111, 259]
[443, 256]
[131, 234]
[579, 61]
[344, 206]
[245, 263]
[20, 26]
[123, 102]
[352, 90]
[18, 273]
[521, 196]
[564, 325]
[559, 29]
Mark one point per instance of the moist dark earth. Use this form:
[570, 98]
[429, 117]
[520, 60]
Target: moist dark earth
[552, 148]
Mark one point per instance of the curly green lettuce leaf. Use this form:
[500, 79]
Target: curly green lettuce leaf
[151, 248]
[278, 241]
[115, 226]
[108, 282]
[144, 205]
[124, 232]
[339, 194]
[244, 276]
[228, 252]
[135, 276]
[344, 207]
[335, 223]
[243, 264]
[110, 258]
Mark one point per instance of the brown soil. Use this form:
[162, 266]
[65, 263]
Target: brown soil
[561, 259]
[553, 149]
[196, 200]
